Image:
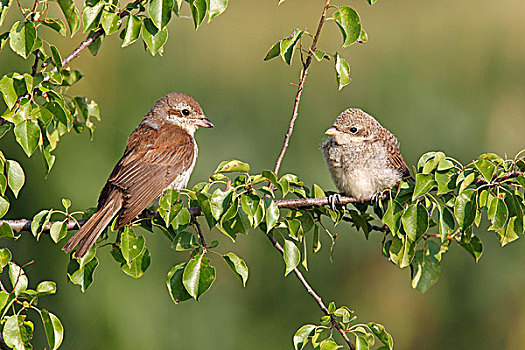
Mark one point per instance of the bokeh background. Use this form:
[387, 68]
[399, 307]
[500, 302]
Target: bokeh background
[441, 75]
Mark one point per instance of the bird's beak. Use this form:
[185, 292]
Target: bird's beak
[332, 131]
[204, 122]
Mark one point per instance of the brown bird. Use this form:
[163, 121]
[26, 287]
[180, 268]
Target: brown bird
[160, 154]
[363, 157]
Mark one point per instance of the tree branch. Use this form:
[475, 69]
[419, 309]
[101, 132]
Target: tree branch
[314, 295]
[302, 80]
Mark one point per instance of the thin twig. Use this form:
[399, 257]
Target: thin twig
[35, 65]
[198, 226]
[302, 80]
[314, 295]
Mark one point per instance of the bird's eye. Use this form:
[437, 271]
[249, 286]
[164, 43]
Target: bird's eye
[185, 112]
[353, 130]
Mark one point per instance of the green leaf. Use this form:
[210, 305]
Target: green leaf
[53, 328]
[232, 166]
[28, 135]
[415, 221]
[131, 245]
[292, 256]
[7, 89]
[300, 338]
[238, 266]
[486, 168]
[381, 334]
[46, 288]
[219, 202]
[18, 278]
[160, 12]
[15, 176]
[330, 344]
[272, 214]
[5, 230]
[132, 30]
[465, 208]
[184, 241]
[56, 24]
[497, 214]
[349, 22]
[287, 45]
[154, 38]
[4, 207]
[4, 6]
[432, 163]
[71, 14]
[110, 22]
[198, 11]
[198, 276]
[392, 217]
[360, 344]
[91, 16]
[466, 182]
[82, 275]
[402, 251]
[175, 285]
[12, 332]
[5, 258]
[138, 266]
[425, 271]
[274, 51]
[371, 2]
[474, 247]
[58, 231]
[216, 8]
[204, 204]
[342, 69]
[444, 182]
[22, 38]
[95, 45]
[446, 221]
[39, 222]
[424, 183]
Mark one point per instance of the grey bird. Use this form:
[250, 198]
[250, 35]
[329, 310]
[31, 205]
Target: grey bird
[160, 154]
[362, 156]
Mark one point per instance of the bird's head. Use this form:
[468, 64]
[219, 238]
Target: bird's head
[179, 109]
[353, 125]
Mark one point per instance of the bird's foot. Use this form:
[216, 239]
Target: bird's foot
[334, 199]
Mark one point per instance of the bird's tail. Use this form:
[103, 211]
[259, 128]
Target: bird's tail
[88, 234]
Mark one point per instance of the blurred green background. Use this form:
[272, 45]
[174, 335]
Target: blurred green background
[441, 75]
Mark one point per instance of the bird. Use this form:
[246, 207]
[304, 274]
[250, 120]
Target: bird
[160, 154]
[362, 156]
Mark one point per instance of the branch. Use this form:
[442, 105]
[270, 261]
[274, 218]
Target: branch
[302, 80]
[314, 295]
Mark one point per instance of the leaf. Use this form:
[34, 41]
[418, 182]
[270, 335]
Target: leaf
[219, 202]
[474, 247]
[7, 89]
[360, 344]
[402, 251]
[392, 217]
[131, 245]
[5, 230]
[217, 7]
[71, 14]
[4, 6]
[486, 168]
[232, 166]
[160, 12]
[138, 266]
[198, 276]
[204, 204]
[300, 338]
[22, 38]
[371, 2]
[46, 288]
[342, 70]
[91, 16]
[274, 51]
[56, 24]
[18, 278]
[5, 258]
[497, 214]
[349, 22]
[238, 266]
[424, 183]
[465, 208]
[15, 176]
[28, 135]
[132, 31]
[4, 207]
[82, 275]
[415, 221]
[12, 333]
[154, 38]
[198, 11]
[381, 334]
[110, 22]
[53, 328]
[272, 214]
[292, 256]
[175, 285]
[446, 221]
[425, 271]
[39, 222]
[184, 241]
[96, 44]
[287, 45]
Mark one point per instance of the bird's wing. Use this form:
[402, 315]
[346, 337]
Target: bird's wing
[391, 145]
[150, 163]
